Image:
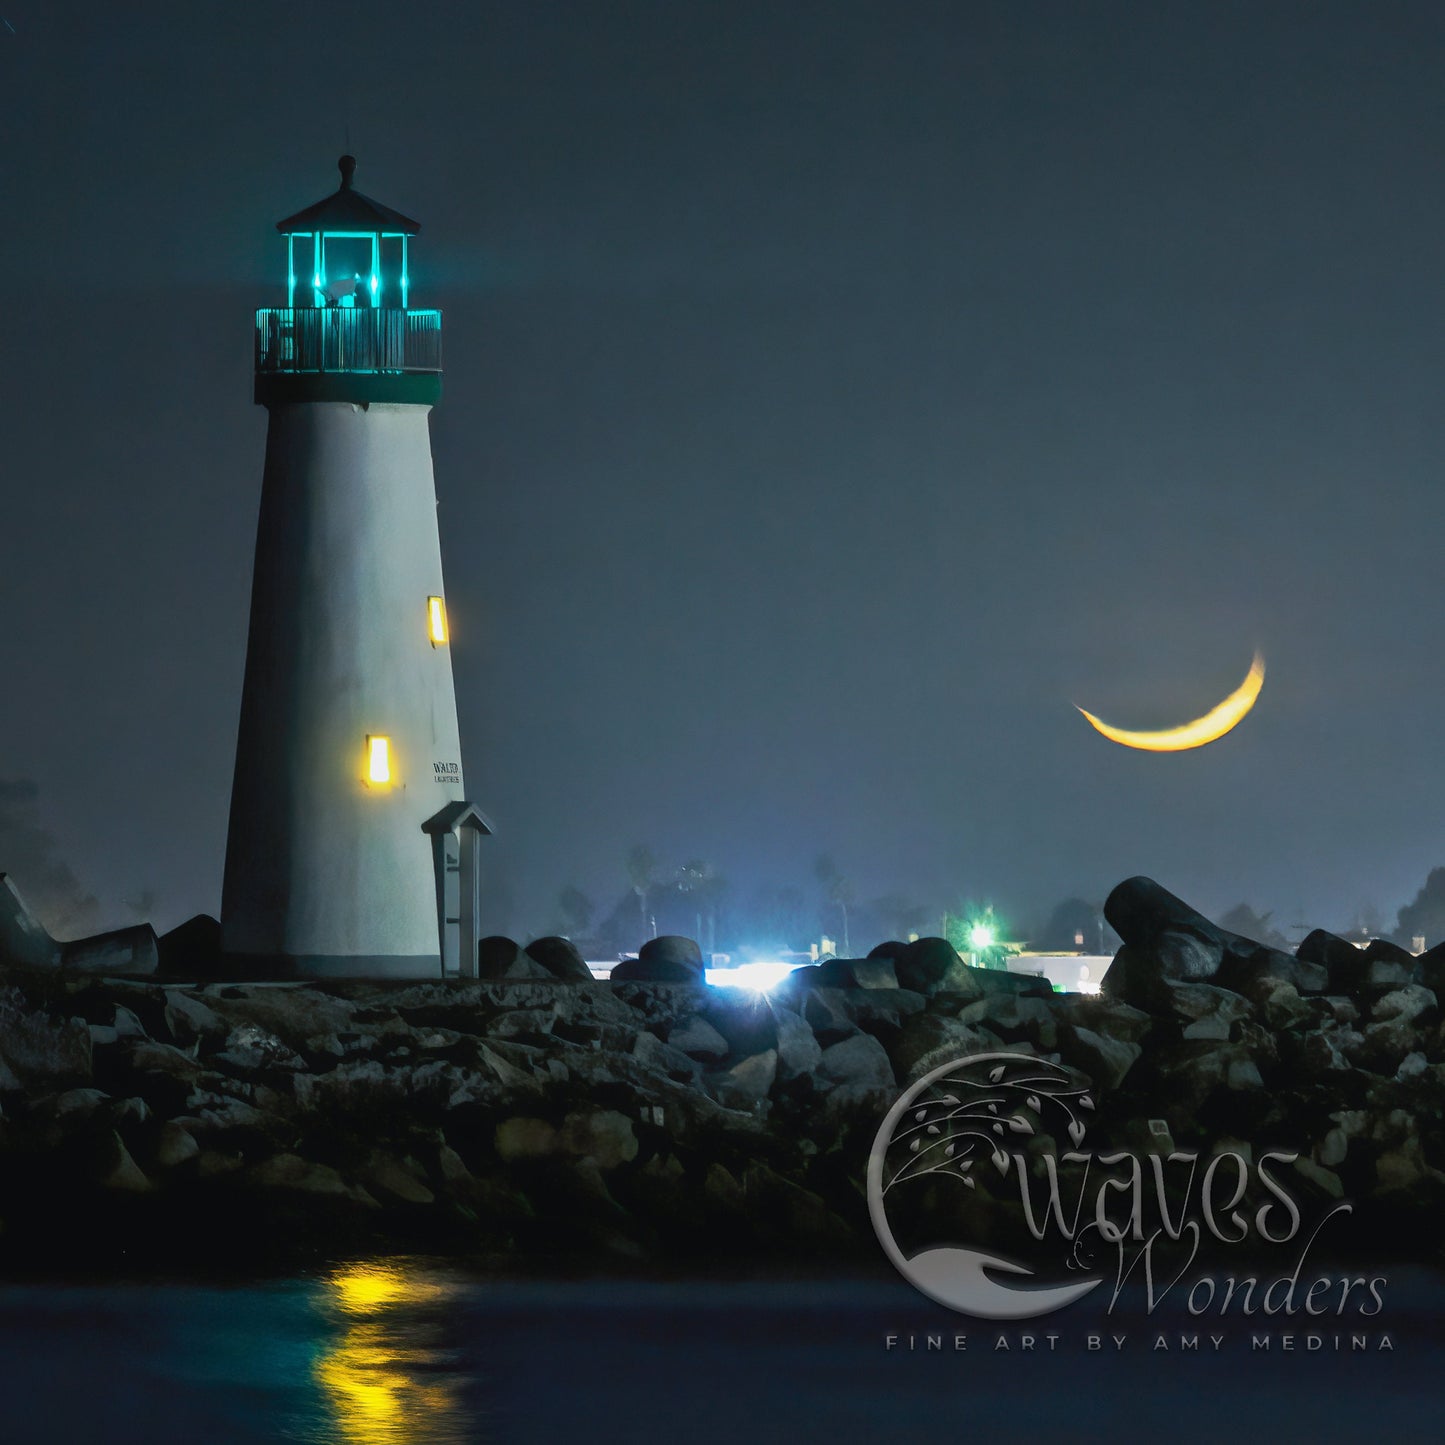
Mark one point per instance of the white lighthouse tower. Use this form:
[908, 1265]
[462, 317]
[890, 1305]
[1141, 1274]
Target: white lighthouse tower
[351, 850]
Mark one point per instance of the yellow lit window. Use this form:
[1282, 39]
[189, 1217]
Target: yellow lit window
[436, 620]
[378, 760]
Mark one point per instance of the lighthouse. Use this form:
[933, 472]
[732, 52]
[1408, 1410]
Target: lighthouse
[352, 850]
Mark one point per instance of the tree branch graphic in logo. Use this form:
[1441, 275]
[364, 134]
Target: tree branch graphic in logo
[955, 1124]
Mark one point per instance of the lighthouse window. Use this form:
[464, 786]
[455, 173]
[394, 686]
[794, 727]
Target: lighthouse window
[346, 266]
[378, 760]
[436, 620]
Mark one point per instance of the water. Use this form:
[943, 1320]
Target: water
[407, 1351]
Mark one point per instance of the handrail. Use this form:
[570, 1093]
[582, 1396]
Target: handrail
[348, 339]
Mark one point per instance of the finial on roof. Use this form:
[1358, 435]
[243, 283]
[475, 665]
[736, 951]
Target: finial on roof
[347, 166]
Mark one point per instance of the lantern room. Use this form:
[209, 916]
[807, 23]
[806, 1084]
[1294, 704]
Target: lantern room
[347, 250]
[348, 331]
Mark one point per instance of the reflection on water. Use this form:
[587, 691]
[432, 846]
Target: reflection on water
[386, 1375]
[408, 1351]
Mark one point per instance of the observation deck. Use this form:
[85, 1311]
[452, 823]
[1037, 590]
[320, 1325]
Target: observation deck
[348, 353]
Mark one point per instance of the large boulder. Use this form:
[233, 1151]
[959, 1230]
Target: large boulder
[192, 949]
[826, 1012]
[881, 1012]
[561, 958]
[858, 1060]
[124, 953]
[1407, 1004]
[1140, 912]
[870, 972]
[251, 1049]
[1318, 1052]
[294, 1015]
[1268, 966]
[1384, 972]
[1106, 1016]
[1166, 941]
[747, 1083]
[499, 957]
[1167, 938]
[1141, 972]
[891, 949]
[799, 1052]
[602, 1135]
[969, 983]
[396, 1181]
[524, 1137]
[1328, 948]
[694, 1036]
[1281, 1006]
[174, 1146]
[1383, 949]
[289, 1173]
[1200, 1067]
[745, 1019]
[656, 1006]
[1182, 955]
[810, 975]
[1431, 967]
[114, 1168]
[1014, 1017]
[189, 1021]
[38, 1052]
[23, 938]
[926, 964]
[1206, 1011]
[1103, 1059]
[669, 959]
[929, 1040]
[1401, 1023]
[1345, 965]
[653, 1053]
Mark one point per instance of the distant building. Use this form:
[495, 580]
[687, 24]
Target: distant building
[1068, 972]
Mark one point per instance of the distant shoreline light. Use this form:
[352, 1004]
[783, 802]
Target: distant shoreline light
[762, 974]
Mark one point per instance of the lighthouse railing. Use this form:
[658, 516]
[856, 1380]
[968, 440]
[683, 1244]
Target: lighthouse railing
[348, 338]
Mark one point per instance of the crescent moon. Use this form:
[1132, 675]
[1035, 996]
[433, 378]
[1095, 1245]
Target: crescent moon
[1214, 724]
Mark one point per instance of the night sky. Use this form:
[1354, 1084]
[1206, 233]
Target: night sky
[836, 394]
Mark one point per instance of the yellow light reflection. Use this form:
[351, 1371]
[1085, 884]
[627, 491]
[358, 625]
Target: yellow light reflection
[436, 615]
[378, 760]
[383, 1377]
[376, 1286]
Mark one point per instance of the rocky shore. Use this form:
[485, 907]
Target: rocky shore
[540, 1115]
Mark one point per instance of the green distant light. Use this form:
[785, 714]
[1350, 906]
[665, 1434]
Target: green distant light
[980, 937]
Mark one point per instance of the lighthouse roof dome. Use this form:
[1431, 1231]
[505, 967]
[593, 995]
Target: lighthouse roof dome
[346, 209]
